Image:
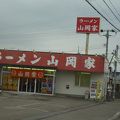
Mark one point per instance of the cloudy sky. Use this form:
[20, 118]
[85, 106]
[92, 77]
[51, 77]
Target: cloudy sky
[50, 25]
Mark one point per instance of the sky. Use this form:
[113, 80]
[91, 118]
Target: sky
[50, 25]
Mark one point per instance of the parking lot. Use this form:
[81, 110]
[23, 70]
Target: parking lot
[32, 107]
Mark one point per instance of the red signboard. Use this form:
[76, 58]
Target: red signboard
[88, 25]
[59, 61]
[27, 73]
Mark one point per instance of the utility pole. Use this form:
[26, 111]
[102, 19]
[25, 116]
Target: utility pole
[87, 43]
[107, 35]
[115, 70]
[107, 38]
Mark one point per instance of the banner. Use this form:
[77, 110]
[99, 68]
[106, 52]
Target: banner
[59, 61]
[93, 86]
[27, 73]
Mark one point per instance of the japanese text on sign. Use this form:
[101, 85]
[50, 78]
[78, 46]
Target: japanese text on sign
[64, 61]
[88, 24]
[27, 73]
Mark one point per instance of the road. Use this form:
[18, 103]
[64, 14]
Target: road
[32, 107]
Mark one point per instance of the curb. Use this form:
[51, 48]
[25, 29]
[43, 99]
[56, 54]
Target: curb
[115, 116]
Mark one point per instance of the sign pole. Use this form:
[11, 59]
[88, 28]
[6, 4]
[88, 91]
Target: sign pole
[87, 43]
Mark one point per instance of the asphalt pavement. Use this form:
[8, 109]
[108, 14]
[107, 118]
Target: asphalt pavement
[37, 107]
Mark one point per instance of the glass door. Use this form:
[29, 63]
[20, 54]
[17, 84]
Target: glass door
[23, 84]
[47, 85]
[38, 85]
[44, 85]
[27, 85]
[30, 85]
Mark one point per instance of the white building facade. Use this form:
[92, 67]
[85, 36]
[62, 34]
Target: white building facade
[49, 73]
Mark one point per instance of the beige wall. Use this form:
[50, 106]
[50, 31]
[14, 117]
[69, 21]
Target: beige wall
[64, 78]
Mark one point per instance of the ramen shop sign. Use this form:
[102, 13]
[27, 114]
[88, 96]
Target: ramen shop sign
[88, 25]
[58, 61]
[27, 73]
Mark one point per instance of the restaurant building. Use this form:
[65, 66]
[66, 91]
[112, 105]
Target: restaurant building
[49, 73]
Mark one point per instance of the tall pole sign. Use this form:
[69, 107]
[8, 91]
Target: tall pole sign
[88, 25]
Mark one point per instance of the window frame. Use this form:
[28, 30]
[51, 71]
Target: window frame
[81, 80]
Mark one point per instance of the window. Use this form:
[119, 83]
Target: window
[82, 79]
[9, 83]
[77, 78]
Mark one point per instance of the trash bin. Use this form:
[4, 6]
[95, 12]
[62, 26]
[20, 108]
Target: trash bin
[87, 93]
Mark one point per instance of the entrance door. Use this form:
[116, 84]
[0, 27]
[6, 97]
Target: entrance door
[38, 85]
[43, 85]
[23, 84]
[31, 85]
[26, 85]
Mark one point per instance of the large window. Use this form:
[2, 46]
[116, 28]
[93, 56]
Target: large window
[82, 79]
[9, 83]
[23, 80]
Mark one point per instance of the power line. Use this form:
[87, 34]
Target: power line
[102, 15]
[104, 11]
[111, 10]
[114, 8]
